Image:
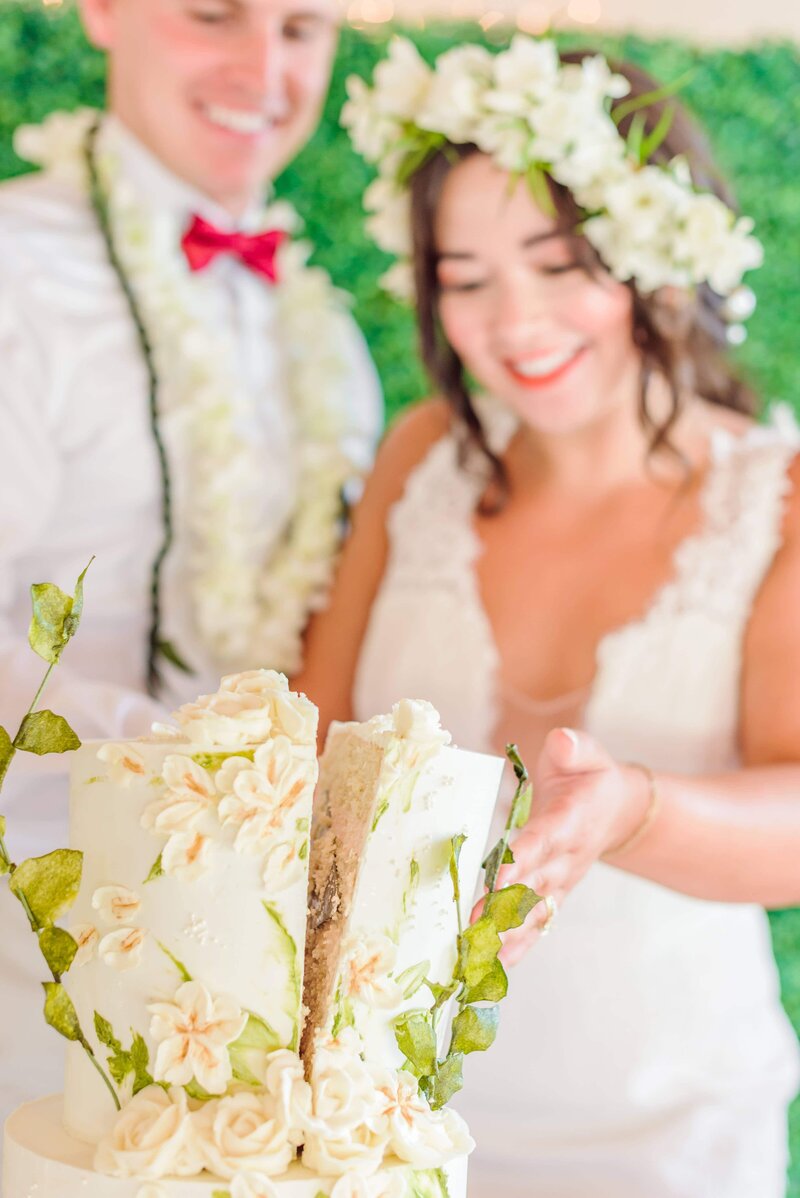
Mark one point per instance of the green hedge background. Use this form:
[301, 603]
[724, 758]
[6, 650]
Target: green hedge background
[749, 101]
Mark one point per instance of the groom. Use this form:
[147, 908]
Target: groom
[179, 396]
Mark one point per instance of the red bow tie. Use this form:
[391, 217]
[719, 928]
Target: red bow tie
[202, 243]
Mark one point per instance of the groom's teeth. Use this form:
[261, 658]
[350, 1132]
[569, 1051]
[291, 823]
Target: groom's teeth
[534, 368]
[237, 120]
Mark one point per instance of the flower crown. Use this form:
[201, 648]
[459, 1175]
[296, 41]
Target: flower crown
[537, 117]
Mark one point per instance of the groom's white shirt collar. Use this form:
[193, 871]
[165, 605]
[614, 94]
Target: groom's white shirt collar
[160, 188]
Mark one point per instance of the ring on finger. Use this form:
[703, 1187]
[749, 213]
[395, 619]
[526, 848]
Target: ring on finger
[551, 907]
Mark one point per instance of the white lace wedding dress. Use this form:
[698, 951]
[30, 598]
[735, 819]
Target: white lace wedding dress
[643, 1052]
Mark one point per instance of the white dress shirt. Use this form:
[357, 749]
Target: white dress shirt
[79, 477]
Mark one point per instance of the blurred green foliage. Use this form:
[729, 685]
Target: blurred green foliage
[749, 102]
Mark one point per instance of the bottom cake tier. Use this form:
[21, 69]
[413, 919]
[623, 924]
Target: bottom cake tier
[41, 1161]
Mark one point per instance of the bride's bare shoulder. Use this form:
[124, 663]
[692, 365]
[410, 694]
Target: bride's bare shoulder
[406, 444]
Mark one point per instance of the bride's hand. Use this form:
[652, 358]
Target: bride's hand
[585, 804]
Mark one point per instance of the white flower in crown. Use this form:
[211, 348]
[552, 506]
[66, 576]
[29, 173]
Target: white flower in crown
[528, 70]
[367, 972]
[86, 936]
[252, 1185]
[390, 222]
[150, 1138]
[425, 1138]
[190, 794]
[186, 856]
[402, 80]
[193, 1034]
[244, 1129]
[372, 132]
[123, 949]
[126, 766]
[116, 904]
[456, 98]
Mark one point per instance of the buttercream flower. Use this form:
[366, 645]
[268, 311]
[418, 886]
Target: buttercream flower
[243, 1130]
[86, 936]
[186, 855]
[225, 719]
[193, 1035]
[263, 797]
[190, 793]
[366, 973]
[283, 865]
[360, 1150]
[125, 764]
[116, 904]
[150, 1138]
[122, 949]
[425, 1138]
[285, 1082]
[252, 1185]
[344, 1095]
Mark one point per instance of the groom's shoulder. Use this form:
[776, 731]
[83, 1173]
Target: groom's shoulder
[43, 220]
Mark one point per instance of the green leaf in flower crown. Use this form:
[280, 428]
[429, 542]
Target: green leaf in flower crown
[58, 949]
[49, 885]
[474, 1029]
[59, 1011]
[447, 1080]
[509, 908]
[6, 753]
[416, 1039]
[43, 732]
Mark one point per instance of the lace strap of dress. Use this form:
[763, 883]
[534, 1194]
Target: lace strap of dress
[721, 568]
[430, 527]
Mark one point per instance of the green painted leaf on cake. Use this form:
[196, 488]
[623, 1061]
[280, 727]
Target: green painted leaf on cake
[247, 1053]
[48, 884]
[509, 908]
[196, 1091]
[448, 1079]
[491, 987]
[284, 950]
[428, 1183]
[416, 1039]
[44, 732]
[303, 824]
[47, 634]
[58, 949]
[105, 1033]
[456, 845]
[215, 761]
[156, 871]
[220, 1194]
[179, 965]
[59, 1011]
[412, 978]
[303, 850]
[140, 1060]
[7, 751]
[474, 1029]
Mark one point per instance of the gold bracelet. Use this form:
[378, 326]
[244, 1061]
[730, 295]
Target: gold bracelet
[653, 807]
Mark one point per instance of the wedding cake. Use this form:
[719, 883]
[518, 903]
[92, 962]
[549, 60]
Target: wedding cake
[212, 887]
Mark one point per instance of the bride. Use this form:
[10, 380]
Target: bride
[585, 544]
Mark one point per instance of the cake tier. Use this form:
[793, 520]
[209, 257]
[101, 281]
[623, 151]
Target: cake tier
[389, 806]
[193, 897]
[41, 1159]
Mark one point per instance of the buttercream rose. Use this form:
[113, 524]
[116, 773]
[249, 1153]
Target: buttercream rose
[151, 1138]
[425, 1138]
[285, 1081]
[358, 1151]
[243, 1131]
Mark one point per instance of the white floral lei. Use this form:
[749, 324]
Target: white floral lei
[536, 115]
[247, 610]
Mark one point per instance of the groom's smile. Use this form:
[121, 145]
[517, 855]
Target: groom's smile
[225, 92]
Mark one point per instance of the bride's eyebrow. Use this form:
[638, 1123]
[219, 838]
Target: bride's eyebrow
[539, 238]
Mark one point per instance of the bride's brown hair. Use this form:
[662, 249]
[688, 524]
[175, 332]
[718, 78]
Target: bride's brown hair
[686, 346]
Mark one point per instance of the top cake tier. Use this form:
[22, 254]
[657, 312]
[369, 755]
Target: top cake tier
[192, 908]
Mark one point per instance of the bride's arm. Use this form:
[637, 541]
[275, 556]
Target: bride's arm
[730, 837]
[334, 637]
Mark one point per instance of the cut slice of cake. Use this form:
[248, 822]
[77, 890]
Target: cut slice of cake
[391, 797]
